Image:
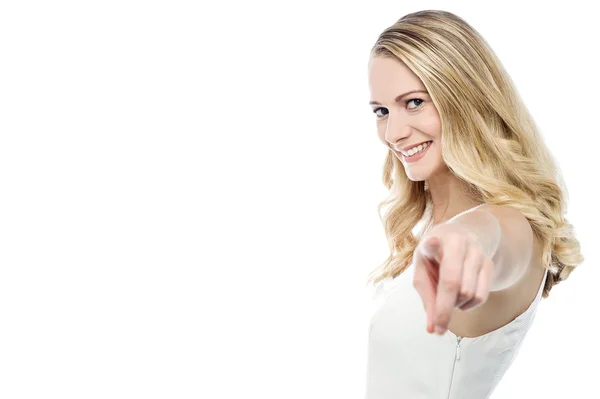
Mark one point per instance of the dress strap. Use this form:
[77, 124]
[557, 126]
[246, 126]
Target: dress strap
[468, 210]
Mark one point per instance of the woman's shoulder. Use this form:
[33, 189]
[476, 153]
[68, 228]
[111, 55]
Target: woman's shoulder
[506, 305]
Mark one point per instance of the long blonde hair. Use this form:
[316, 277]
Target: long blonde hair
[489, 141]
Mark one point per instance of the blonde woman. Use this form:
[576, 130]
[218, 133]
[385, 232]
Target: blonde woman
[475, 216]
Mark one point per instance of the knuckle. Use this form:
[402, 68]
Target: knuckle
[457, 239]
[451, 281]
[475, 255]
[487, 265]
[466, 293]
[442, 320]
[481, 297]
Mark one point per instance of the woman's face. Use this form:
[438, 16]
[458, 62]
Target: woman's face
[406, 117]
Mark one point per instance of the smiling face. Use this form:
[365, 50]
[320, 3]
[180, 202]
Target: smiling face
[405, 117]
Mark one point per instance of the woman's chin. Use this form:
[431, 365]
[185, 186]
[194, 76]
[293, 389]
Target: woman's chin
[417, 177]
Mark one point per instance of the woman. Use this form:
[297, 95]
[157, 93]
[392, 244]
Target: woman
[456, 297]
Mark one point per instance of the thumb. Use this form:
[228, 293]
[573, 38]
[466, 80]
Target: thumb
[432, 248]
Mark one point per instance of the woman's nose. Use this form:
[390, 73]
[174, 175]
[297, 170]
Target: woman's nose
[396, 131]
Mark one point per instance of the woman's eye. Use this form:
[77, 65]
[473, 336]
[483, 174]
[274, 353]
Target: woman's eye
[419, 102]
[382, 114]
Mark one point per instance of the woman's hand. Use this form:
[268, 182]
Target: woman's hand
[451, 271]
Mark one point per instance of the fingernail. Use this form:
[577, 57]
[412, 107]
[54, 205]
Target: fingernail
[439, 330]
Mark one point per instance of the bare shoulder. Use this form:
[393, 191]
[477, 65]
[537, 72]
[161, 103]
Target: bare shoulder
[505, 213]
[505, 305]
[517, 238]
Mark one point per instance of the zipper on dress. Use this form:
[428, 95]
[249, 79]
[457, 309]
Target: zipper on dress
[456, 358]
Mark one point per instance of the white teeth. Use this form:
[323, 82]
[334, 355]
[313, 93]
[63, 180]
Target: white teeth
[416, 149]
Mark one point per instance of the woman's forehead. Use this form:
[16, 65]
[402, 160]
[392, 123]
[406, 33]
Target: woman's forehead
[390, 77]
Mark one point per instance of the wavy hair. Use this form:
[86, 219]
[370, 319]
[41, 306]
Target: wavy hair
[489, 141]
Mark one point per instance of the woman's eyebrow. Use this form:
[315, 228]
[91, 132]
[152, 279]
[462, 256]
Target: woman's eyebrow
[400, 96]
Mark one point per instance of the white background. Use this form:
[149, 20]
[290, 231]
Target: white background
[188, 194]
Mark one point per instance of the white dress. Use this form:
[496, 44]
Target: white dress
[404, 361]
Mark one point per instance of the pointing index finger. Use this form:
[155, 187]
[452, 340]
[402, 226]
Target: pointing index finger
[449, 281]
[425, 285]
